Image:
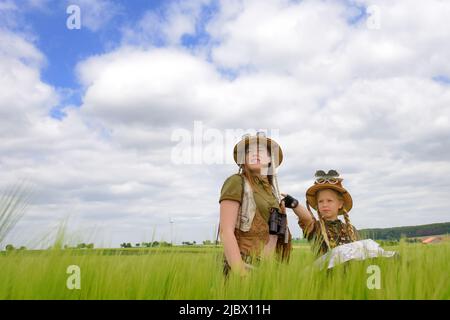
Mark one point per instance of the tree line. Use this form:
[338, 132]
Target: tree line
[408, 232]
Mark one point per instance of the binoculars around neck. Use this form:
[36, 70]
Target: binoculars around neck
[277, 222]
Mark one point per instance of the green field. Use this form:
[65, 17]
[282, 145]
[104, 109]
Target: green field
[421, 272]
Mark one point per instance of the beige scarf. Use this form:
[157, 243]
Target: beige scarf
[247, 209]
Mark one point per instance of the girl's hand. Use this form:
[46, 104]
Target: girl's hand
[289, 201]
[302, 213]
[245, 270]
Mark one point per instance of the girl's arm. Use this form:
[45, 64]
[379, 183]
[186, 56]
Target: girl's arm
[304, 216]
[228, 215]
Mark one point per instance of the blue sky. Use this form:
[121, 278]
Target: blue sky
[64, 48]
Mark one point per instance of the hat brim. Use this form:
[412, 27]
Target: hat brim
[275, 150]
[312, 192]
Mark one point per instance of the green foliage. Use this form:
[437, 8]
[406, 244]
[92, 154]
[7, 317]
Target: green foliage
[146, 244]
[410, 232]
[388, 242]
[13, 203]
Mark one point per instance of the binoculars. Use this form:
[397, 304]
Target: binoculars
[277, 222]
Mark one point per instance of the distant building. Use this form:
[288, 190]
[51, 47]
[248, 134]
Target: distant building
[432, 240]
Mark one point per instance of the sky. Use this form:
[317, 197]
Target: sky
[122, 115]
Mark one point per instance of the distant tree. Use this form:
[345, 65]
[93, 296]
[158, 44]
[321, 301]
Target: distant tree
[81, 245]
[397, 233]
[9, 247]
[138, 244]
[388, 242]
[155, 244]
[90, 246]
[165, 244]
[207, 242]
[23, 248]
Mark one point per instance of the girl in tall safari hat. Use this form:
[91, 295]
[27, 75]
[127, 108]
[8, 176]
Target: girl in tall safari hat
[252, 223]
[330, 199]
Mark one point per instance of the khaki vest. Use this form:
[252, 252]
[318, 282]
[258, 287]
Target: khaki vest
[252, 231]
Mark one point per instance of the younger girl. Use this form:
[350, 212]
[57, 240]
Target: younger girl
[330, 199]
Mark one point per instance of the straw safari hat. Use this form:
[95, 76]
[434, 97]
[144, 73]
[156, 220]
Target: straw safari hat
[260, 138]
[330, 180]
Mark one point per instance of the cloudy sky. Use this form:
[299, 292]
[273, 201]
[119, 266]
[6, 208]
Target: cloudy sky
[128, 122]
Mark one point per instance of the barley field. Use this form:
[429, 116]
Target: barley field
[420, 272]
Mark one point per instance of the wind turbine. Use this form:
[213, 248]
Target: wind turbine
[171, 230]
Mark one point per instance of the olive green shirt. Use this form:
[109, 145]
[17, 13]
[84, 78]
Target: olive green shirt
[262, 193]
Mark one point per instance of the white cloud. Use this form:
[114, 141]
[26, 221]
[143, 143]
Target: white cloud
[146, 87]
[167, 25]
[276, 35]
[313, 40]
[23, 96]
[17, 47]
[343, 96]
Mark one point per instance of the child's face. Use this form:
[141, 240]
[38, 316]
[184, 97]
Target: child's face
[329, 204]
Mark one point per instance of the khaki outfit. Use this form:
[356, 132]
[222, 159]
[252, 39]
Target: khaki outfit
[253, 236]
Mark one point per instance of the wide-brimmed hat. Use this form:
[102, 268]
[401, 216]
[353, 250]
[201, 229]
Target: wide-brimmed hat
[330, 180]
[261, 139]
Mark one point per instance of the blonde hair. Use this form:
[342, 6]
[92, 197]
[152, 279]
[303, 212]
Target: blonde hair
[349, 226]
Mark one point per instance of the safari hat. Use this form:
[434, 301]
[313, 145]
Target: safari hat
[330, 180]
[261, 139]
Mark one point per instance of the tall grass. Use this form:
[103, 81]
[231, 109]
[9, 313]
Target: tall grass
[421, 272]
[13, 203]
